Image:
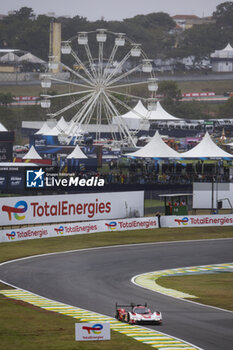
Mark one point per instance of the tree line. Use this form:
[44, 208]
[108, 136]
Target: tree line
[26, 31]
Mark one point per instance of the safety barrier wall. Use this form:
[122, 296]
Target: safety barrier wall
[67, 229]
[196, 221]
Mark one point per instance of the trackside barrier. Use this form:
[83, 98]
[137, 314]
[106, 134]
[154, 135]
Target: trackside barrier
[76, 228]
[196, 221]
[67, 229]
[70, 207]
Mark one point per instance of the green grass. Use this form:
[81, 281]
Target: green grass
[217, 86]
[24, 327]
[14, 250]
[214, 289]
[30, 90]
[153, 203]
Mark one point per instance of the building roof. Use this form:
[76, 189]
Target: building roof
[185, 17]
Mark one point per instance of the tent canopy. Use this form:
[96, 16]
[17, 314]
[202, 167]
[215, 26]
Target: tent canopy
[206, 149]
[62, 124]
[52, 132]
[77, 154]
[29, 57]
[228, 47]
[139, 111]
[156, 148]
[32, 154]
[44, 130]
[160, 114]
[9, 57]
[2, 127]
[135, 119]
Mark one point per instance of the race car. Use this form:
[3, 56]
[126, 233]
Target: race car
[136, 314]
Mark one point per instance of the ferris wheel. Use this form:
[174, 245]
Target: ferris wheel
[100, 89]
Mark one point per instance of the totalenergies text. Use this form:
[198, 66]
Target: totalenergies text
[63, 208]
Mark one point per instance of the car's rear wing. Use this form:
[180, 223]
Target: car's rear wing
[130, 305]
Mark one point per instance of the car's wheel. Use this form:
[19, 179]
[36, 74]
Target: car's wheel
[128, 318]
[117, 315]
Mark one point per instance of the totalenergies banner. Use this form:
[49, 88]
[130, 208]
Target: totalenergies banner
[77, 228]
[72, 207]
[195, 221]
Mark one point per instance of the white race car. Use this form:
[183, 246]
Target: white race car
[135, 314]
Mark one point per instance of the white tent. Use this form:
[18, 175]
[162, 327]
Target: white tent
[45, 129]
[228, 48]
[69, 129]
[9, 57]
[52, 132]
[62, 125]
[206, 149]
[135, 119]
[156, 148]
[77, 154]
[160, 114]
[140, 109]
[28, 57]
[227, 52]
[2, 127]
[32, 154]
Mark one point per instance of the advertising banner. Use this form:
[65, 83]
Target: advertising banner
[196, 221]
[71, 207]
[92, 331]
[77, 228]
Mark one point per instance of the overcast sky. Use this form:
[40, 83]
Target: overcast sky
[113, 9]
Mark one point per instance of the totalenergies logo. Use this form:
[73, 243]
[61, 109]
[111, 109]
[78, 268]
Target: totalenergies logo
[59, 230]
[183, 221]
[19, 208]
[112, 225]
[11, 235]
[96, 329]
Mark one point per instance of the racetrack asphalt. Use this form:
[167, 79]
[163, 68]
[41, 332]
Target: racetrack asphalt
[95, 279]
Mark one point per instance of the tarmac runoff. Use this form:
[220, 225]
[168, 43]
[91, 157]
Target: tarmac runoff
[148, 280]
[147, 336]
